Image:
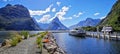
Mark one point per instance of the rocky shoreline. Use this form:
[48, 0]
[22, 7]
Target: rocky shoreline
[49, 43]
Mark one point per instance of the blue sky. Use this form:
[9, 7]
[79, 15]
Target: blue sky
[69, 12]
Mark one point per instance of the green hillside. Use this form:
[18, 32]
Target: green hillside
[113, 17]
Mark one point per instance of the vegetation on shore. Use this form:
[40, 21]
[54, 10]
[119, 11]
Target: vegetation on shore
[113, 17]
[25, 34]
[16, 37]
[39, 39]
[90, 28]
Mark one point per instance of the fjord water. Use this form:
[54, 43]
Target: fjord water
[88, 45]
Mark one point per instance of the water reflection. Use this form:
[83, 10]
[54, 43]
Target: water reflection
[77, 45]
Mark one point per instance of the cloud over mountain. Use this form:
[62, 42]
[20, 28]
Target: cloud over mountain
[96, 14]
[78, 15]
[44, 19]
[40, 12]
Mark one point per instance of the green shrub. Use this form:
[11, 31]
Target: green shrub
[25, 34]
[42, 34]
[15, 38]
[14, 41]
[39, 41]
[33, 35]
[89, 28]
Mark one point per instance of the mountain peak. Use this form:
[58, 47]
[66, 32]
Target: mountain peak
[56, 25]
[56, 19]
[18, 5]
[8, 5]
[89, 19]
[14, 11]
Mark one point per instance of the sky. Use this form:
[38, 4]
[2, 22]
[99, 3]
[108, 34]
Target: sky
[69, 12]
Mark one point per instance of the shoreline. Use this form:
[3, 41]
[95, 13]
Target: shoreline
[51, 46]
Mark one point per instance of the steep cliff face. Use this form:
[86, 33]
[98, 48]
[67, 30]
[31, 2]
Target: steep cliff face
[16, 17]
[113, 17]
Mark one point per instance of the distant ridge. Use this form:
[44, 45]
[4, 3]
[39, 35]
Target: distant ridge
[87, 22]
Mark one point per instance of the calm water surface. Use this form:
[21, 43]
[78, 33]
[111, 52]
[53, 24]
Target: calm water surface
[77, 45]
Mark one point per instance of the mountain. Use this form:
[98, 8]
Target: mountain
[16, 17]
[43, 26]
[113, 17]
[56, 25]
[87, 22]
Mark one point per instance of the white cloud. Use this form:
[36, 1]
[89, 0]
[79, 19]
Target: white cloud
[40, 12]
[44, 19]
[54, 10]
[96, 14]
[61, 14]
[58, 3]
[78, 15]
[69, 18]
[103, 17]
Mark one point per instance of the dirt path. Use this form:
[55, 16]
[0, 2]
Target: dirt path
[27, 46]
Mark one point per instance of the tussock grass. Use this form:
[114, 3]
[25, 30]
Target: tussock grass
[39, 39]
[15, 38]
[25, 34]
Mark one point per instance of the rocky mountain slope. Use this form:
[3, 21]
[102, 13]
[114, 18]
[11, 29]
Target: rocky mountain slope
[16, 17]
